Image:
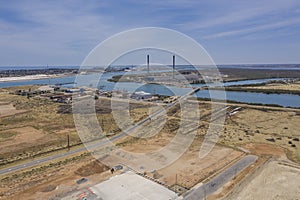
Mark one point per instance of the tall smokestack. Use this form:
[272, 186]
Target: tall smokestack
[173, 65]
[148, 63]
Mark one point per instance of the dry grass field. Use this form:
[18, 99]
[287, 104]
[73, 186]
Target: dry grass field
[32, 126]
[279, 86]
[261, 126]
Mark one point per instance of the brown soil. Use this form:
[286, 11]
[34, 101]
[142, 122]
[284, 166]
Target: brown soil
[54, 181]
[275, 181]
[25, 134]
[7, 109]
[94, 167]
[249, 128]
[265, 149]
[191, 170]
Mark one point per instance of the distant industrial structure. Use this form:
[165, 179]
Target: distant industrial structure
[141, 95]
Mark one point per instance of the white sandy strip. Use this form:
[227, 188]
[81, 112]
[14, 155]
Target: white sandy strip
[30, 77]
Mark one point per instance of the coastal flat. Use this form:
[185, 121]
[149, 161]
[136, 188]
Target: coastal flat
[264, 131]
[294, 86]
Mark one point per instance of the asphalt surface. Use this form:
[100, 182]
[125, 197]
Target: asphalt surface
[39, 161]
[217, 182]
[92, 145]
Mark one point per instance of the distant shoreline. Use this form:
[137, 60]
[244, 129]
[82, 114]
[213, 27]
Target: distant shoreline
[31, 77]
[34, 74]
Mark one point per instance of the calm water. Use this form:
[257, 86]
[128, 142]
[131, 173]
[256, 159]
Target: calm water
[247, 97]
[286, 100]
[245, 82]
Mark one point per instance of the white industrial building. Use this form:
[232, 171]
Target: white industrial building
[130, 186]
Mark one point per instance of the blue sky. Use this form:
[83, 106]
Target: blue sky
[232, 31]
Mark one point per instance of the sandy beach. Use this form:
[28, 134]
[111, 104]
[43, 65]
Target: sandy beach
[30, 77]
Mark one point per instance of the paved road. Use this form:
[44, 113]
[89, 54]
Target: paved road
[95, 144]
[217, 182]
[42, 160]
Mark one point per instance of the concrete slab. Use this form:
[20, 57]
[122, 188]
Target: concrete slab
[130, 186]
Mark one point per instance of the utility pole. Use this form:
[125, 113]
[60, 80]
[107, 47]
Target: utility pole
[68, 139]
[176, 186]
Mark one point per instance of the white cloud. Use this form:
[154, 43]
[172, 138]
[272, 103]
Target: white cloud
[53, 30]
[254, 29]
[241, 14]
[63, 32]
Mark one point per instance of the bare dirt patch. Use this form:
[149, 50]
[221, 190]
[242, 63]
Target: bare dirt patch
[94, 167]
[26, 134]
[7, 109]
[66, 131]
[191, 170]
[276, 181]
[265, 149]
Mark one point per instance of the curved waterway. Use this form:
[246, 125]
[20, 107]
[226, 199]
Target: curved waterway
[285, 100]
